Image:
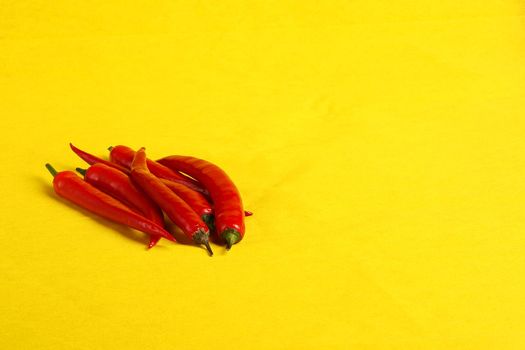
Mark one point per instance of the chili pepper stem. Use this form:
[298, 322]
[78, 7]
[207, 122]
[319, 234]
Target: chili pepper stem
[209, 221]
[51, 169]
[208, 248]
[81, 171]
[231, 237]
[110, 148]
[201, 237]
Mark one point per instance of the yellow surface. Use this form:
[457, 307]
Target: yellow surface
[380, 144]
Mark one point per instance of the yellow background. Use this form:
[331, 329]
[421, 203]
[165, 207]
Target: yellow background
[380, 144]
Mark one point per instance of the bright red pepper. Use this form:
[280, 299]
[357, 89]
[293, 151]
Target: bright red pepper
[119, 186]
[194, 199]
[197, 201]
[91, 159]
[175, 208]
[228, 209]
[123, 156]
[70, 186]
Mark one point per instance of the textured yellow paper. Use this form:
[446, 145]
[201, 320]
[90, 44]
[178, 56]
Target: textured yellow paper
[381, 145]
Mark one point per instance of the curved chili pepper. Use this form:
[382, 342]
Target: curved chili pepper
[229, 213]
[70, 186]
[119, 186]
[197, 201]
[177, 210]
[194, 199]
[123, 156]
[91, 159]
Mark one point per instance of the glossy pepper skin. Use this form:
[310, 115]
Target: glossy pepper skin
[175, 208]
[91, 159]
[119, 186]
[194, 199]
[71, 187]
[123, 156]
[228, 208]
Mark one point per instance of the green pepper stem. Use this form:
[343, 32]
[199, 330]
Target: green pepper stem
[51, 169]
[209, 221]
[231, 237]
[81, 171]
[201, 237]
[208, 248]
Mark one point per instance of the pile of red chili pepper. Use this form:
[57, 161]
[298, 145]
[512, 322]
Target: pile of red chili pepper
[132, 190]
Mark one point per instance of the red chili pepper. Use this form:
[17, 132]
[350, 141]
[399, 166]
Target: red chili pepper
[119, 186]
[197, 201]
[123, 156]
[177, 210]
[229, 213]
[91, 159]
[70, 186]
[194, 199]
